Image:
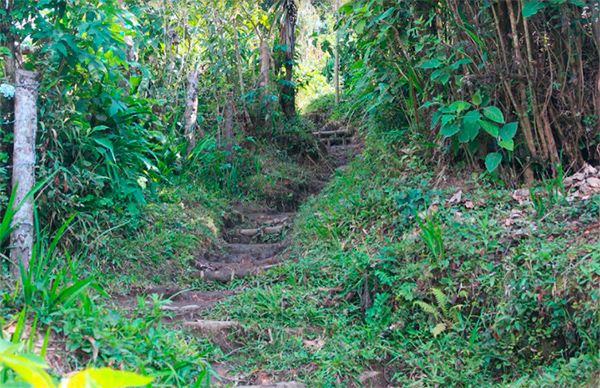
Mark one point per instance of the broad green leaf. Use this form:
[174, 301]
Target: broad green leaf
[492, 161]
[509, 130]
[490, 128]
[472, 116]
[105, 378]
[531, 7]
[450, 130]
[469, 131]
[27, 370]
[447, 118]
[507, 144]
[459, 106]
[494, 114]
[430, 64]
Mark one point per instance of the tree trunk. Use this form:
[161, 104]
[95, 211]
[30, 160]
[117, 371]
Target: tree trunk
[288, 38]
[26, 92]
[247, 121]
[265, 59]
[337, 58]
[191, 110]
[228, 127]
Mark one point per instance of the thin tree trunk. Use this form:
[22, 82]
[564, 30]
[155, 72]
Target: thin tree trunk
[238, 56]
[191, 110]
[228, 126]
[265, 59]
[521, 105]
[287, 37]
[23, 177]
[337, 58]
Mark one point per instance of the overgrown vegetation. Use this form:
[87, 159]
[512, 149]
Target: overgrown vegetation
[431, 289]
[182, 149]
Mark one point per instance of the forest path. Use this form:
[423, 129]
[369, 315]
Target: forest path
[255, 238]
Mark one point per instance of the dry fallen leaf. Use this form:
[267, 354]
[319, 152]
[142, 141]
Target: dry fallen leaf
[456, 198]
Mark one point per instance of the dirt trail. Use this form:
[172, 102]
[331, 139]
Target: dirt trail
[254, 240]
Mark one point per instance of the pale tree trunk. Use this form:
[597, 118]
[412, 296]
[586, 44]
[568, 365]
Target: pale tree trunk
[265, 64]
[23, 177]
[337, 58]
[238, 56]
[191, 110]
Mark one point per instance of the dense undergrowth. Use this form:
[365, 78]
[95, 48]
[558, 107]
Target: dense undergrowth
[393, 274]
[157, 119]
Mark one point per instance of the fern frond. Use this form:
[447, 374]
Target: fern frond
[441, 299]
[427, 308]
[438, 329]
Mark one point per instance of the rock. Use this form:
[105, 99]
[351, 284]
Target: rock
[273, 229]
[372, 379]
[209, 327]
[181, 309]
[249, 232]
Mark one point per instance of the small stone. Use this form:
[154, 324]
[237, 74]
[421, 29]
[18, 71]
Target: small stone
[249, 232]
[273, 229]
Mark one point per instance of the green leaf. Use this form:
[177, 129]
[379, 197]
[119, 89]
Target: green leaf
[447, 118]
[492, 161]
[476, 99]
[346, 9]
[450, 130]
[509, 130]
[531, 7]
[106, 378]
[460, 62]
[469, 131]
[430, 64]
[490, 128]
[459, 106]
[106, 143]
[28, 370]
[494, 114]
[472, 116]
[507, 144]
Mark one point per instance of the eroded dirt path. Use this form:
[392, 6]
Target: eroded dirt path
[255, 239]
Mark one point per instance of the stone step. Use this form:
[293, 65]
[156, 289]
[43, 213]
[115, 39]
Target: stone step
[254, 248]
[337, 132]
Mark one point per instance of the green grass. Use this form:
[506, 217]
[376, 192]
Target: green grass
[521, 303]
